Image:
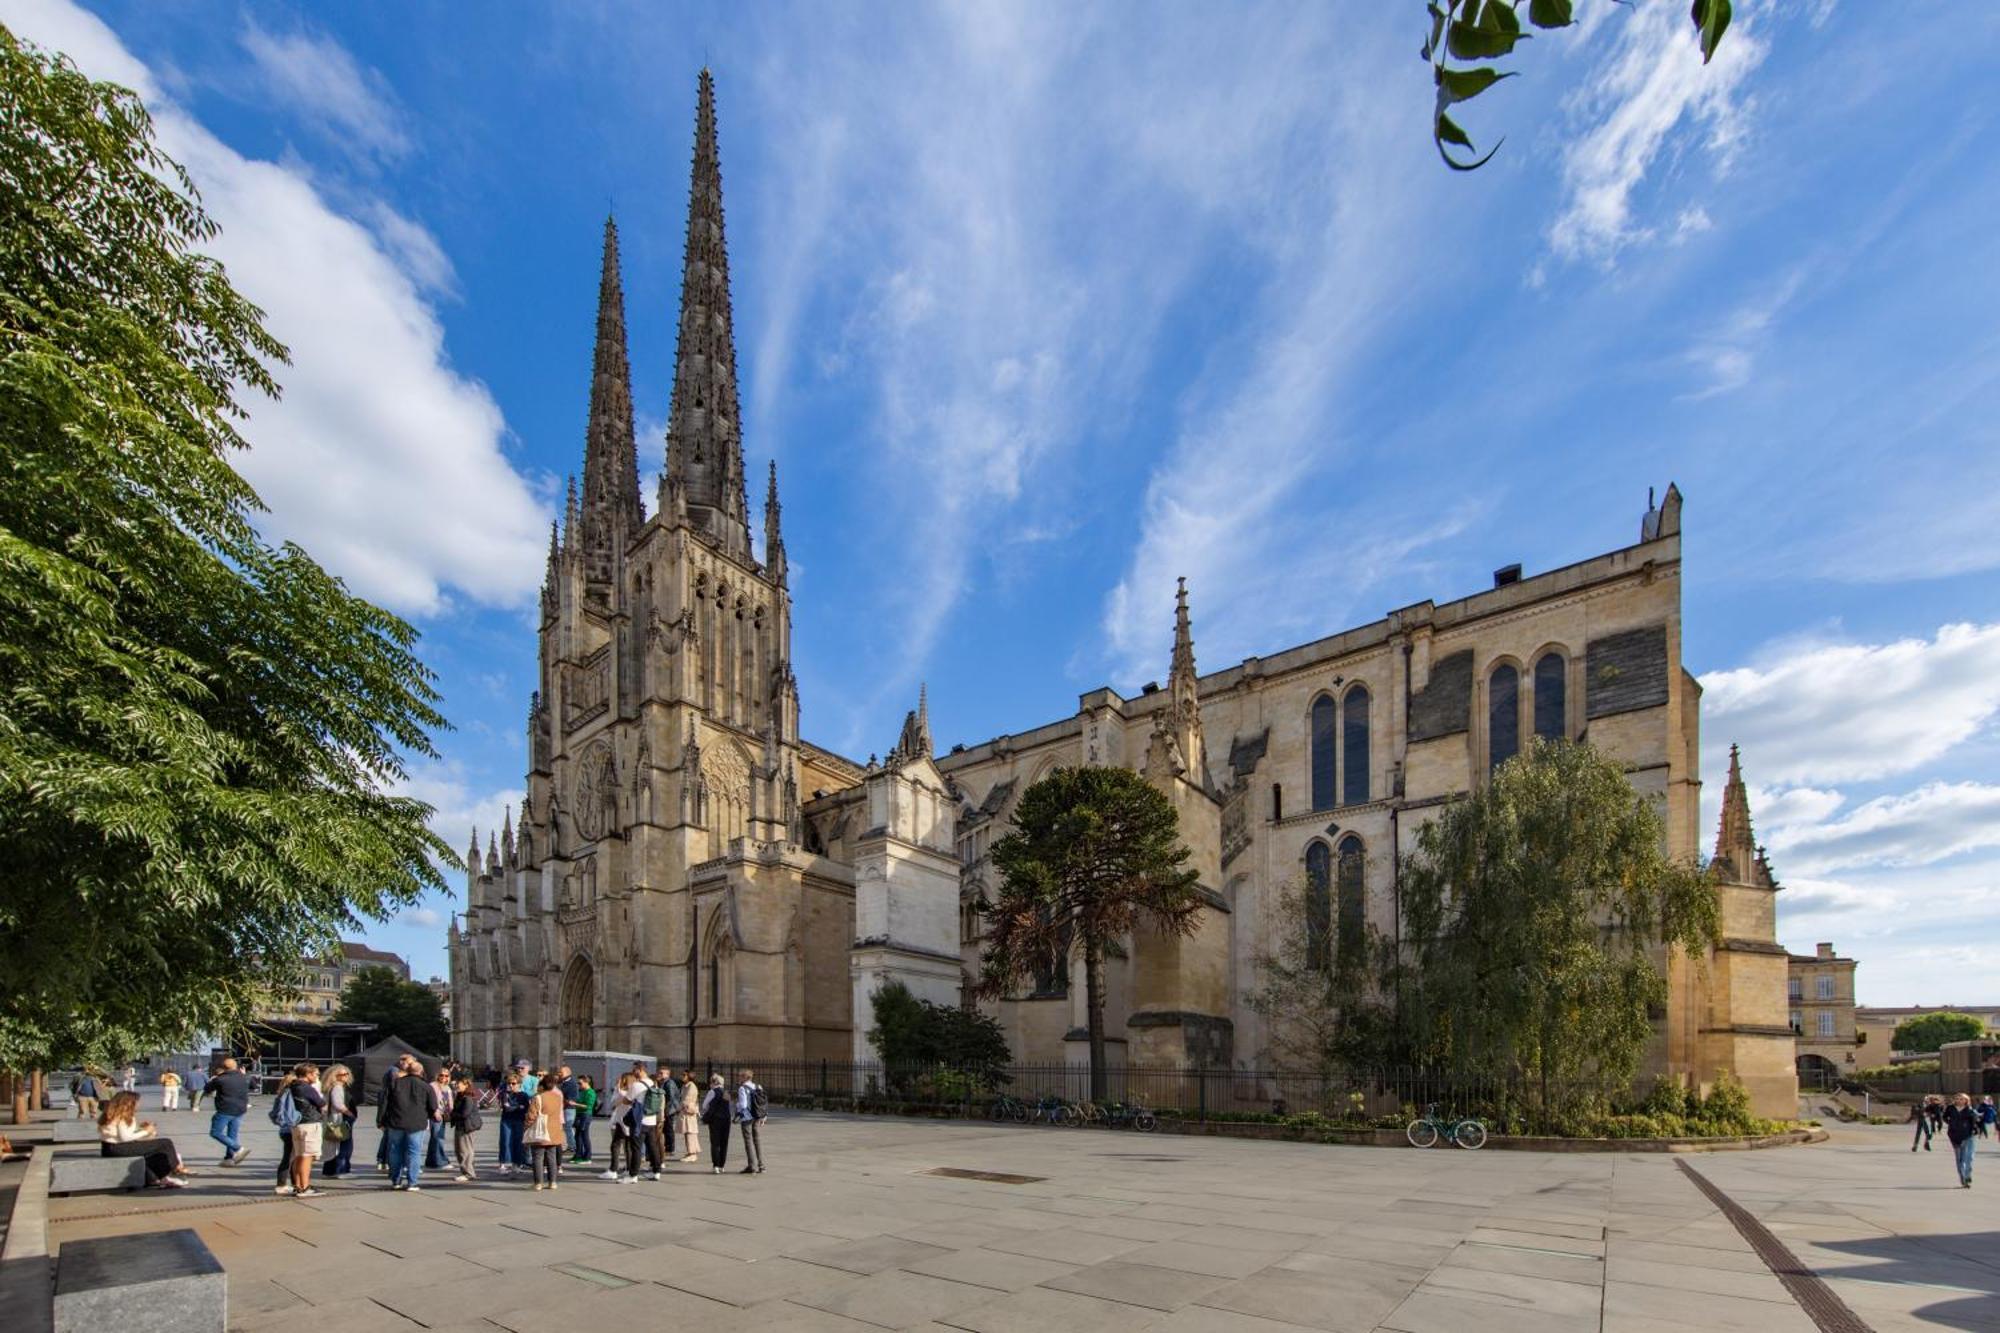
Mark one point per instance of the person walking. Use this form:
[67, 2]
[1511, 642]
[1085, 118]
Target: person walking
[752, 1106]
[120, 1133]
[513, 1123]
[87, 1095]
[545, 1134]
[435, 1156]
[586, 1109]
[716, 1113]
[308, 1128]
[197, 1084]
[343, 1110]
[1961, 1126]
[170, 1090]
[229, 1096]
[1920, 1115]
[1986, 1116]
[466, 1122]
[689, 1117]
[407, 1113]
[128, 1079]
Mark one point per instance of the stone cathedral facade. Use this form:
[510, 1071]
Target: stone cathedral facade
[689, 878]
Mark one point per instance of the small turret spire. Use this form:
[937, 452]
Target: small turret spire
[569, 527]
[1184, 690]
[915, 740]
[774, 538]
[507, 835]
[1736, 849]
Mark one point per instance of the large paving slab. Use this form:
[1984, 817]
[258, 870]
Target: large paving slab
[849, 1229]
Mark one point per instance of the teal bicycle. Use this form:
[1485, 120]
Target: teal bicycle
[1428, 1128]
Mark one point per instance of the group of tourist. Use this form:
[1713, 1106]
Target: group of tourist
[1963, 1121]
[432, 1121]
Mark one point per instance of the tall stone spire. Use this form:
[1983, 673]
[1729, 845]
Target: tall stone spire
[1736, 850]
[704, 427]
[915, 740]
[611, 507]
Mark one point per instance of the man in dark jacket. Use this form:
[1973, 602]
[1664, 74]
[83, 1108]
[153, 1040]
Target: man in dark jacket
[229, 1094]
[409, 1105]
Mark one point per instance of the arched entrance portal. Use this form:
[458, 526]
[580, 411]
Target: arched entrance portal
[579, 1006]
[1817, 1073]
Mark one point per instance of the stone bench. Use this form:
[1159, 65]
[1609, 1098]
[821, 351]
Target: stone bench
[74, 1131]
[158, 1281]
[76, 1174]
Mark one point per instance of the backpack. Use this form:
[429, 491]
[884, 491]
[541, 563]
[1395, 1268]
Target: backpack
[285, 1110]
[760, 1104]
[656, 1100]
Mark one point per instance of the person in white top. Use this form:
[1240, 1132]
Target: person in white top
[170, 1090]
[120, 1133]
[624, 1109]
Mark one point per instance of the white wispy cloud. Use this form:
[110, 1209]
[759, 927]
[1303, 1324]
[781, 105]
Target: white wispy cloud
[380, 459]
[1936, 822]
[316, 77]
[1630, 113]
[1838, 712]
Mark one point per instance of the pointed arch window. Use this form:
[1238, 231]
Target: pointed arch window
[1354, 746]
[1319, 905]
[1503, 716]
[1325, 733]
[1353, 903]
[1551, 711]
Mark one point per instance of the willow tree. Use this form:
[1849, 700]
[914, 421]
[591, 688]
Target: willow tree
[1538, 914]
[1094, 855]
[200, 732]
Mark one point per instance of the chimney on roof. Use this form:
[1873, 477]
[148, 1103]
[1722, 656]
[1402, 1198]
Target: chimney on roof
[1506, 574]
[1826, 951]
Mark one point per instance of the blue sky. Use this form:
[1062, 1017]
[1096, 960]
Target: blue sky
[1039, 307]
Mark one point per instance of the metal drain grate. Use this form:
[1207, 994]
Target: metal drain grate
[991, 1177]
[1818, 1300]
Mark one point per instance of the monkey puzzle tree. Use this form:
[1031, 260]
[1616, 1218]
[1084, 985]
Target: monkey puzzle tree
[1095, 854]
[200, 733]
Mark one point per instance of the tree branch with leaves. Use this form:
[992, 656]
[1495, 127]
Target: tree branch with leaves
[1488, 30]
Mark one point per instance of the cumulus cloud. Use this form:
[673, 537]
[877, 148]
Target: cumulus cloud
[380, 459]
[1839, 712]
[352, 106]
[423, 918]
[1937, 821]
[1629, 113]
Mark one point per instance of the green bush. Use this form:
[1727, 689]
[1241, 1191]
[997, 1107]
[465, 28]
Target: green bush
[1876, 1073]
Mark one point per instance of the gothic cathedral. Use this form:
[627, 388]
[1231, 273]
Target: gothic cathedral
[691, 880]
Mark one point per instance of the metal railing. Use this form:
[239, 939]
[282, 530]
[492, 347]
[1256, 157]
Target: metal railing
[1351, 1096]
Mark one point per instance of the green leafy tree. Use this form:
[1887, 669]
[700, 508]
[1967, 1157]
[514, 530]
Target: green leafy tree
[1487, 30]
[397, 1008]
[1319, 1005]
[199, 732]
[910, 1033]
[1095, 854]
[1537, 915]
[1928, 1032]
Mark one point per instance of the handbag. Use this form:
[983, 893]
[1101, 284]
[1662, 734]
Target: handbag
[538, 1128]
[336, 1128]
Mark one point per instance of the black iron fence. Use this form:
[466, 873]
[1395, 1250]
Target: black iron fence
[1345, 1096]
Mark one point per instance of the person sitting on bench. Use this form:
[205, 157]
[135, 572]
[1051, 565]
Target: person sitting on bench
[120, 1134]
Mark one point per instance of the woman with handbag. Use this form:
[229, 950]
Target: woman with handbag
[545, 1135]
[343, 1108]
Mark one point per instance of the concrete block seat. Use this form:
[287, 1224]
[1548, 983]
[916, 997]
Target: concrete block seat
[74, 1173]
[153, 1282]
[75, 1131]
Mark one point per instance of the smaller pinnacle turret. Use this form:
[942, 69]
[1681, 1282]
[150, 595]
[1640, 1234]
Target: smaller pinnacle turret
[774, 539]
[915, 740]
[1736, 849]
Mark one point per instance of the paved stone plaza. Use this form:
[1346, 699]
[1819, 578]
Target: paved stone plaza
[1124, 1231]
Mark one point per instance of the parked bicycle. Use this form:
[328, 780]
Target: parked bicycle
[1005, 1108]
[1050, 1109]
[1428, 1128]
